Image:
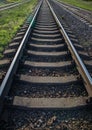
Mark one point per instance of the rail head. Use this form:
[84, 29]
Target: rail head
[6, 83]
[80, 65]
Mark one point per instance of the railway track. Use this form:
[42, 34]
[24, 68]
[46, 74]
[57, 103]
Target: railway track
[12, 5]
[46, 73]
[84, 15]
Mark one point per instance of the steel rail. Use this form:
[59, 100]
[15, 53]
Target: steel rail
[80, 65]
[5, 5]
[9, 6]
[64, 6]
[6, 83]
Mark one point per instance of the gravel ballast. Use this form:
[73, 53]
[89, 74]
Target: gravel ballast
[81, 30]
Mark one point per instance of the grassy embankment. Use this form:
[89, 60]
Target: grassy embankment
[11, 20]
[85, 4]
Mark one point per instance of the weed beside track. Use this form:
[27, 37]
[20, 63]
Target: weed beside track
[11, 20]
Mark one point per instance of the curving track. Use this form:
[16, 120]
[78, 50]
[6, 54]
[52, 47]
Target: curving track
[45, 72]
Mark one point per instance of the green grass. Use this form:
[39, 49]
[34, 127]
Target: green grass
[85, 4]
[11, 20]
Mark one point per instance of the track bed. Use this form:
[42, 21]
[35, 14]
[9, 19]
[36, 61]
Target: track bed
[47, 91]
